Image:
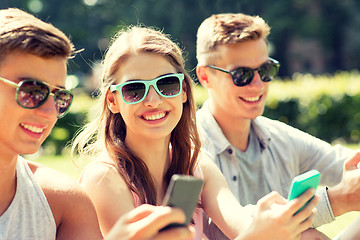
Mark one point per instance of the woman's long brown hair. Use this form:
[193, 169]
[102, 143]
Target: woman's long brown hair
[109, 130]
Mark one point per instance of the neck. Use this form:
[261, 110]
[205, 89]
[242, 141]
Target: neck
[235, 128]
[155, 154]
[7, 182]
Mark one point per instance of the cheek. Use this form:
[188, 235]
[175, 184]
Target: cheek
[225, 85]
[180, 107]
[124, 112]
[266, 88]
[48, 131]
[128, 112]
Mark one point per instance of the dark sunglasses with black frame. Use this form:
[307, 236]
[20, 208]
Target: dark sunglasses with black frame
[243, 76]
[32, 94]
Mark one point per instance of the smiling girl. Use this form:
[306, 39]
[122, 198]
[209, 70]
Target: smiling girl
[146, 132]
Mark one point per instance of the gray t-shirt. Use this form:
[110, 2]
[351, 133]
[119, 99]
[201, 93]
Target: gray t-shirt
[29, 215]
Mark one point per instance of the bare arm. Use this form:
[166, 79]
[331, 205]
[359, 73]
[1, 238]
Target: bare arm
[79, 220]
[345, 196]
[145, 222]
[220, 204]
[236, 222]
[72, 208]
[276, 217]
[109, 193]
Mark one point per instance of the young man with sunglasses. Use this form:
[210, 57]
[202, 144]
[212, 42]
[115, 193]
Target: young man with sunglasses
[258, 155]
[37, 202]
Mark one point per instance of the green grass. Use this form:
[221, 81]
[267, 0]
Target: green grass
[334, 228]
[62, 163]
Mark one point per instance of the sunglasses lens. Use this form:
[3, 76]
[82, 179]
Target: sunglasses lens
[63, 100]
[133, 92]
[169, 86]
[32, 94]
[268, 71]
[242, 76]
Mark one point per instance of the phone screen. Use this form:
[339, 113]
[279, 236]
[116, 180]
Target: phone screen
[183, 192]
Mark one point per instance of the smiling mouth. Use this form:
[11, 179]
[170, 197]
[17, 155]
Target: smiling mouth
[251, 99]
[32, 128]
[153, 117]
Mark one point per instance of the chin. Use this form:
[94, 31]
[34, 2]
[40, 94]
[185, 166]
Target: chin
[29, 152]
[29, 149]
[255, 115]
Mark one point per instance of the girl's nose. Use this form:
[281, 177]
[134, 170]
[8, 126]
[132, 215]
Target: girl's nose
[152, 99]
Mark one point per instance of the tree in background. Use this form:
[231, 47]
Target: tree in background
[313, 36]
[308, 36]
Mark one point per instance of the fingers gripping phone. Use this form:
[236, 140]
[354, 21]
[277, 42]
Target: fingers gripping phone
[303, 182]
[183, 192]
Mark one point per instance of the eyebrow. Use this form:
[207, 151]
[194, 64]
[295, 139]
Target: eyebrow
[50, 85]
[131, 80]
[234, 68]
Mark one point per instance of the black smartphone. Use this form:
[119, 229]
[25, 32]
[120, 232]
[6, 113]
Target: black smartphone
[183, 192]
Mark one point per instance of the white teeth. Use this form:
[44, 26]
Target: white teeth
[252, 99]
[155, 116]
[32, 128]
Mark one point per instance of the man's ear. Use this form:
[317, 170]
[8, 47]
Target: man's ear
[111, 102]
[202, 74]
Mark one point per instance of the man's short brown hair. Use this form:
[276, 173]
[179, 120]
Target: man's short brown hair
[227, 28]
[22, 32]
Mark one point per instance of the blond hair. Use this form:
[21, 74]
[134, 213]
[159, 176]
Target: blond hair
[22, 32]
[227, 28]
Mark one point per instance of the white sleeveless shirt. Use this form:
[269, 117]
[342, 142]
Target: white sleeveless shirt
[29, 215]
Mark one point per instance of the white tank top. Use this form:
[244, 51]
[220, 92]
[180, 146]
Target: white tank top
[29, 215]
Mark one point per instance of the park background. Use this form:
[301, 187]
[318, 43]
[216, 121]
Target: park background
[316, 41]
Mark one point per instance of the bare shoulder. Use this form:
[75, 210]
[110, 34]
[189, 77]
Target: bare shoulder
[104, 184]
[101, 175]
[108, 191]
[207, 165]
[51, 179]
[58, 187]
[56, 184]
[69, 203]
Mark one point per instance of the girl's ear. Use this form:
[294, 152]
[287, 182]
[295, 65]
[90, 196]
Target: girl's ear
[201, 72]
[184, 94]
[111, 102]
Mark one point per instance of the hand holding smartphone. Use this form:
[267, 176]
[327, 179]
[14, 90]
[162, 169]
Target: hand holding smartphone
[302, 183]
[183, 192]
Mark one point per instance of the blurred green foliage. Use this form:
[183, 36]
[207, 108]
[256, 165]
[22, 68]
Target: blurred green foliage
[333, 24]
[66, 127]
[326, 106]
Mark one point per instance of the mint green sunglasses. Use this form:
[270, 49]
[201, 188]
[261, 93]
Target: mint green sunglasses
[135, 91]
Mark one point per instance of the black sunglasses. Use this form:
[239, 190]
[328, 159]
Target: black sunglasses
[32, 94]
[243, 76]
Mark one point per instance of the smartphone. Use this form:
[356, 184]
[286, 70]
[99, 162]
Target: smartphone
[183, 192]
[302, 183]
